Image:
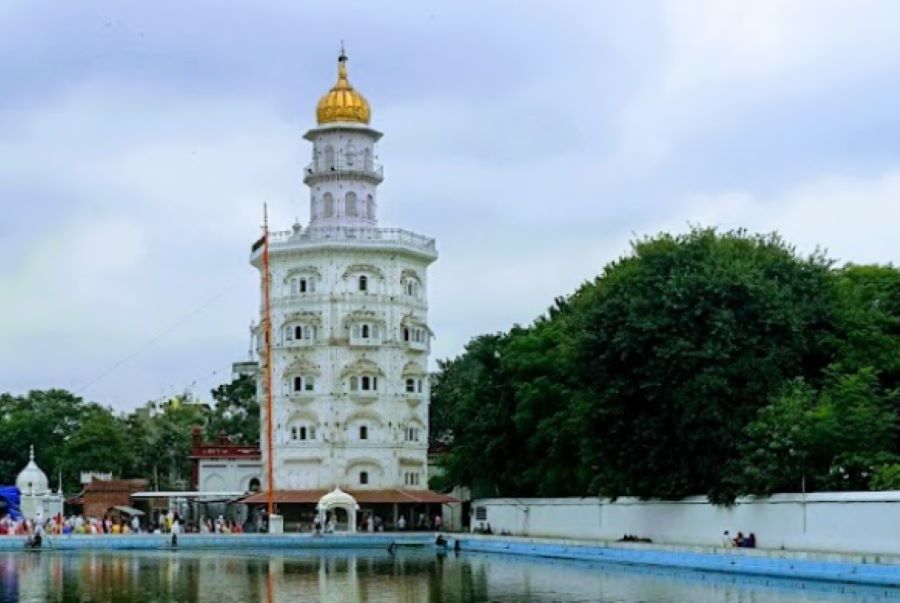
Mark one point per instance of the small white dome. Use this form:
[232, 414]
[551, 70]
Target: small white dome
[337, 498]
[31, 480]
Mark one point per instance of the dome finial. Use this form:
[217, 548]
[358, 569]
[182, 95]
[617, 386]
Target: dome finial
[342, 69]
[342, 102]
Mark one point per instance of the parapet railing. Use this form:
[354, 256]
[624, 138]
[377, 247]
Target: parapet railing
[355, 235]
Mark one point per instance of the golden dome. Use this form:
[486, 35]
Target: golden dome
[342, 102]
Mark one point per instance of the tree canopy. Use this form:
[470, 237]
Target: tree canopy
[691, 366]
[72, 435]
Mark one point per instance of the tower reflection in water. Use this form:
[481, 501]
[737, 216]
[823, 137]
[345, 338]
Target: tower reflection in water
[376, 577]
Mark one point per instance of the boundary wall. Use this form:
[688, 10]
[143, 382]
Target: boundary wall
[842, 522]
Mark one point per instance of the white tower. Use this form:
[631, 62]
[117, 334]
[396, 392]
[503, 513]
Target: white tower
[349, 322]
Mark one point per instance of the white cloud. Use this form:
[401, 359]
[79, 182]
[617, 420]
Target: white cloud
[721, 58]
[139, 161]
[854, 219]
[64, 276]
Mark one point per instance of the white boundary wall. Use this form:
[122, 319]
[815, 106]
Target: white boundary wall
[850, 522]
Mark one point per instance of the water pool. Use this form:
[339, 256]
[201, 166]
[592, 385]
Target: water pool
[409, 576]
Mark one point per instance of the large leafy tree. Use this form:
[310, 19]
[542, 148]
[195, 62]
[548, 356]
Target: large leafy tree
[709, 362]
[46, 419]
[100, 444]
[680, 344]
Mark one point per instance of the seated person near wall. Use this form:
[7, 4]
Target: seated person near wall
[749, 542]
[727, 542]
[738, 540]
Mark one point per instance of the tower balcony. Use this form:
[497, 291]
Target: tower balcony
[354, 237]
[342, 170]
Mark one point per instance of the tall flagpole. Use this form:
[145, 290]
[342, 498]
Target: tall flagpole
[267, 339]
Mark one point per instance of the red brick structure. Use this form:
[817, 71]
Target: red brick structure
[100, 495]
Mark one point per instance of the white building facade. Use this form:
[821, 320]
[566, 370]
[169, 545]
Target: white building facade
[349, 311]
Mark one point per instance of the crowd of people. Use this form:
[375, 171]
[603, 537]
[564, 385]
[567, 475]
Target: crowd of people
[371, 522]
[219, 525]
[79, 524]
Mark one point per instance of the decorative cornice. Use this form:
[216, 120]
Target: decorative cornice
[357, 268]
[304, 316]
[302, 270]
[362, 366]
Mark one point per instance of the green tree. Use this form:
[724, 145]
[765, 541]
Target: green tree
[681, 343]
[236, 411]
[479, 401]
[46, 419]
[539, 361]
[869, 325]
[161, 435]
[838, 438]
[101, 443]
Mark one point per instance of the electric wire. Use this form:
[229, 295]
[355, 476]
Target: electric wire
[156, 338]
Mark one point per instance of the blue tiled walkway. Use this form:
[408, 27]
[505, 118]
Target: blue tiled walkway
[725, 561]
[214, 541]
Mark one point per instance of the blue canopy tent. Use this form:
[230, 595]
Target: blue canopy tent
[11, 496]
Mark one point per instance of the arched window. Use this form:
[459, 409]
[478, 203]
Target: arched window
[300, 333]
[329, 157]
[328, 202]
[367, 159]
[363, 383]
[303, 383]
[370, 207]
[405, 333]
[364, 331]
[303, 432]
[350, 208]
[254, 485]
[363, 283]
[363, 478]
[363, 432]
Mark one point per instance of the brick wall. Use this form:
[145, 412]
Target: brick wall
[99, 496]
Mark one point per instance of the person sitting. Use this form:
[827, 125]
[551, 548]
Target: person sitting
[738, 540]
[750, 541]
[727, 542]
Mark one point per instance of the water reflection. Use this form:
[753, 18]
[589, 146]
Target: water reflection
[375, 577]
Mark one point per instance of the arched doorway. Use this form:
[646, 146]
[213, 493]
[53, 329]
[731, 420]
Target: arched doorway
[337, 511]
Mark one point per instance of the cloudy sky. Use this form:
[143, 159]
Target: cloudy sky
[138, 142]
